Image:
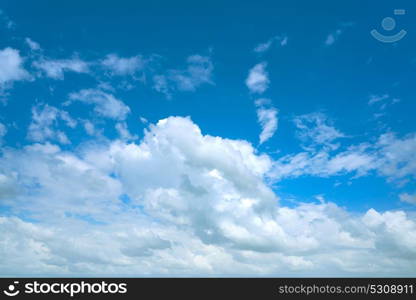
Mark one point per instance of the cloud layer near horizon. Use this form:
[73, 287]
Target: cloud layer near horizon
[108, 208]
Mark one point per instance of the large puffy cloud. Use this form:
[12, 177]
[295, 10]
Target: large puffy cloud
[180, 202]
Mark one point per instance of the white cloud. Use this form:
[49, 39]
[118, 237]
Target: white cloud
[267, 117]
[3, 131]
[408, 198]
[55, 68]
[198, 71]
[9, 24]
[123, 66]
[11, 67]
[258, 79]
[124, 132]
[264, 47]
[322, 164]
[397, 156]
[377, 98]
[161, 85]
[89, 128]
[180, 202]
[45, 122]
[34, 46]
[334, 36]
[105, 104]
[382, 102]
[316, 129]
[106, 86]
[389, 156]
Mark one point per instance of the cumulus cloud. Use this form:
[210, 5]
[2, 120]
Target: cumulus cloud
[267, 117]
[199, 71]
[123, 65]
[44, 125]
[11, 67]
[180, 202]
[55, 68]
[105, 104]
[258, 79]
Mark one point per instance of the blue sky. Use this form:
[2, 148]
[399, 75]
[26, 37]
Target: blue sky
[207, 138]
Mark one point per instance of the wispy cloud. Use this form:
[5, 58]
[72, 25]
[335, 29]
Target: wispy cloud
[105, 104]
[264, 47]
[408, 198]
[199, 71]
[383, 101]
[390, 157]
[267, 118]
[123, 65]
[3, 131]
[377, 98]
[55, 68]
[334, 36]
[124, 132]
[34, 46]
[44, 124]
[316, 129]
[8, 23]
